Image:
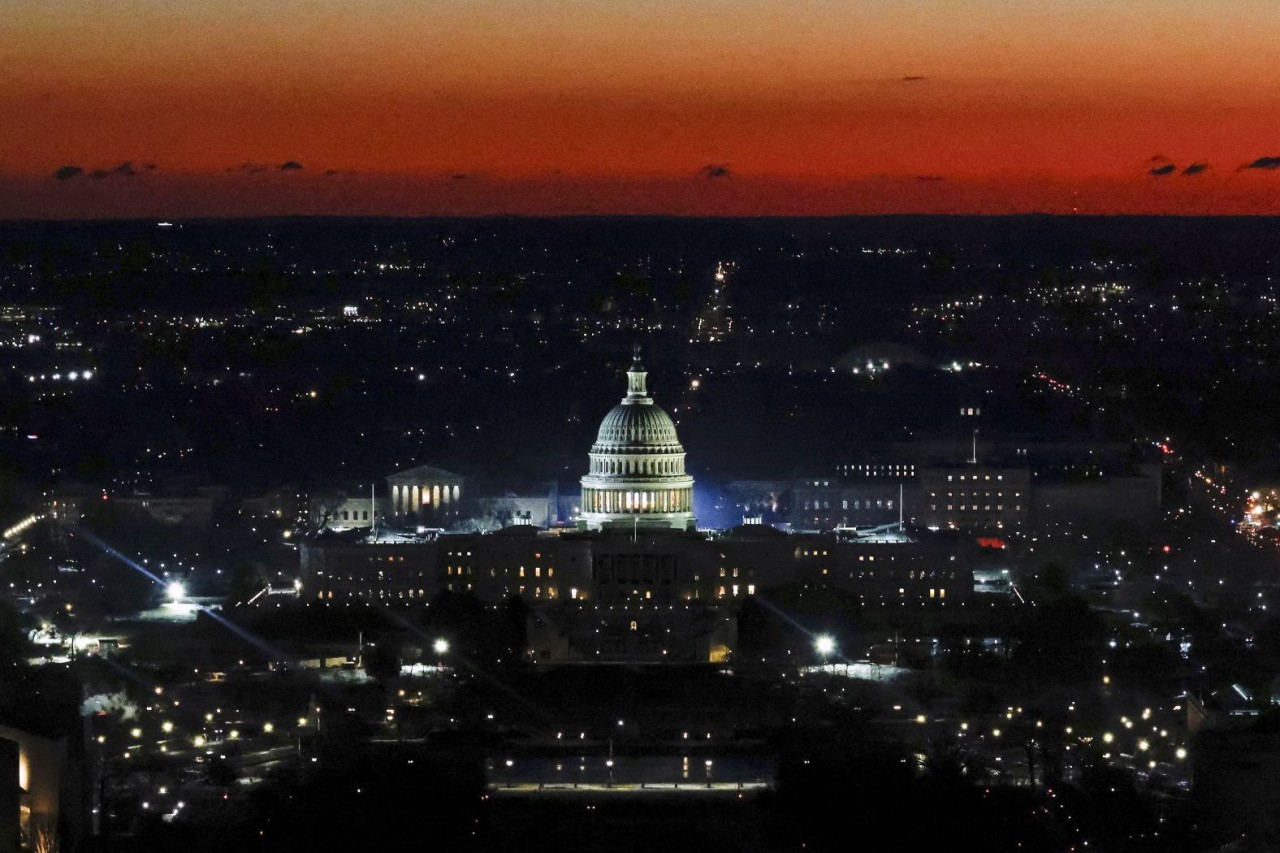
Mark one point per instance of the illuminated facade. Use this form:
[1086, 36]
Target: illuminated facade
[657, 568]
[425, 493]
[636, 476]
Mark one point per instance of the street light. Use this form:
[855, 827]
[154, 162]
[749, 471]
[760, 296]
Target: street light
[825, 646]
[176, 591]
[441, 646]
[708, 766]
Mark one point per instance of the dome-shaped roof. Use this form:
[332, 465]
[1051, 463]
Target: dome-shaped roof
[636, 425]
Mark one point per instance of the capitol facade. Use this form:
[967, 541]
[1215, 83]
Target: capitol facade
[636, 476]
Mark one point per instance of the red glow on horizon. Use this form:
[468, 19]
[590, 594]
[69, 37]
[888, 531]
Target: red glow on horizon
[605, 107]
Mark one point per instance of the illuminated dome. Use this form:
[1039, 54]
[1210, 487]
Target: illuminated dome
[632, 425]
[636, 474]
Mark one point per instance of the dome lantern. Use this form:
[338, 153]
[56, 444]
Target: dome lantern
[636, 374]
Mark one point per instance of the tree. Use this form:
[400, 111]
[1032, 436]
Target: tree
[381, 662]
[1061, 641]
[14, 646]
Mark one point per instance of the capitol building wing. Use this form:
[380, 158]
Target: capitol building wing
[636, 476]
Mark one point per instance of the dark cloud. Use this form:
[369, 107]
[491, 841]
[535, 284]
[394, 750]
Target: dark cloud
[929, 178]
[713, 170]
[1263, 163]
[289, 166]
[1161, 171]
[331, 172]
[66, 173]
[1196, 169]
[914, 78]
[124, 170]
[1157, 158]
[459, 176]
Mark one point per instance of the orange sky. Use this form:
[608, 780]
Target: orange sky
[562, 106]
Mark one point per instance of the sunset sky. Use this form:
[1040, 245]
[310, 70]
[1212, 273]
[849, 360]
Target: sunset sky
[191, 107]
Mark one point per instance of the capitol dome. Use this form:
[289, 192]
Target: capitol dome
[636, 472]
[629, 425]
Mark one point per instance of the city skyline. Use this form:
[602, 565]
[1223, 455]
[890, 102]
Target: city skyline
[214, 108]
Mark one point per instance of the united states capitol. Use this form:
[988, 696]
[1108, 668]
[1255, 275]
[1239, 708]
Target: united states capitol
[623, 572]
